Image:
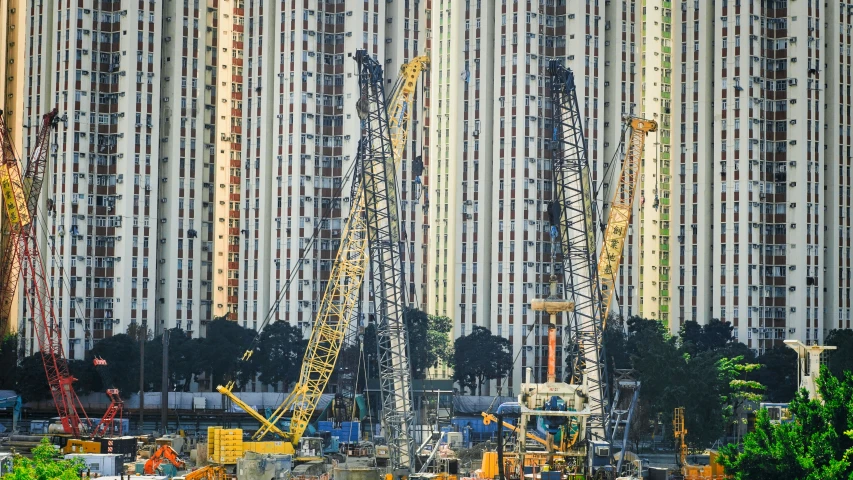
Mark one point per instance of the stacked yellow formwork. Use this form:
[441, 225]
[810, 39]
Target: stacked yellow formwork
[275, 448]
[224, 445]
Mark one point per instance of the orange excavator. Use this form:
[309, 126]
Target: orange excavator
[209, 472]
[163, 454]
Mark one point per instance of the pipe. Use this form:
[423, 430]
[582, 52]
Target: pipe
[552, 351]
[500, 448]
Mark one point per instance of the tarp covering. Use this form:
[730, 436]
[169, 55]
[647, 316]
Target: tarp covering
[184, 401]
[475, 405]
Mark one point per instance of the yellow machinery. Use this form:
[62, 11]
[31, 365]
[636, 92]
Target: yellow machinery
[620, 211]
[489, 418]
[712, 471]
[341, 296]
[209, 472]
[680, 431]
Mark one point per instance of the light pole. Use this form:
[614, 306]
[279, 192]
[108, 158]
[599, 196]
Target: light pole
[808, 380]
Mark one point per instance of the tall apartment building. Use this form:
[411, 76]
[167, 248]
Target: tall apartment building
[205, 142]
[299, 144]
[491, 148]
[121, 232]
[11, 86]
[764, 207]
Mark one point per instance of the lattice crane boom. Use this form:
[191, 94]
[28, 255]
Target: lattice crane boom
[25, 193]
[382, 215]
[341, 296]
[577, 241]
[621, 209]
[20, 196]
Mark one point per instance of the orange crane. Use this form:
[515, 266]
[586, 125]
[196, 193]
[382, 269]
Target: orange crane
[21, 252]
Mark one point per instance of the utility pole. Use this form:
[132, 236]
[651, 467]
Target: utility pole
[143, 337]
[164, 387]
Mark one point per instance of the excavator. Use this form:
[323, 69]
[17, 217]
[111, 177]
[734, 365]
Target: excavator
[352, 265]
[163, 454]
[208, 472]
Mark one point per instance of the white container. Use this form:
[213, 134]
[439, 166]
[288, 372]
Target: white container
[136, 477]
[101, 463]
[199, 403]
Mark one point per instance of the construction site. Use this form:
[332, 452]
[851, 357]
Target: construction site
[569, 427]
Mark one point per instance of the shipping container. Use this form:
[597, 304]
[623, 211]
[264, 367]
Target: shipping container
[124, 446]
[101, 463]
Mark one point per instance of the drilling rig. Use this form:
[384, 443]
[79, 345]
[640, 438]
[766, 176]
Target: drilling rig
[370, 245]
[574, 421]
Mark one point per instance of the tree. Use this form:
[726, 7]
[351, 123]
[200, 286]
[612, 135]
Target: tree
[183, 361]
[778, 373]
[370, 348]
[429, 340]
[9, 361]
[45, 464]
[841, 359]
[704, 373]
[122, 369]
[614, 346]
[428, 343]
[219, 354]
[32, 381]
[278, 354]
[712, 336]
[481, 356]
[816, 445]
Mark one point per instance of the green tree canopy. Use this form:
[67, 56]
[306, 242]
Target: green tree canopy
[841, 359]
[778, 373]
[9, 361]
[219, 354]
[121, 353]
[183, 361]
[46, 464]
[278, 354]
[429, 341]
[817, 445]
[702, 370]
[480, 356]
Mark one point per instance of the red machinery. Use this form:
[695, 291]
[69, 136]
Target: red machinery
[116, 408]
[20, 199]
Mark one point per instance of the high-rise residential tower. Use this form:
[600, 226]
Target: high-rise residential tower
[204, 145]
[763, 162]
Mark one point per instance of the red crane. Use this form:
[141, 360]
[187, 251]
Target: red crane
[21, 252]
[107, 425]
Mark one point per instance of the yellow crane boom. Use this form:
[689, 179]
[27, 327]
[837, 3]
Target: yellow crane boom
[620, 211]
[341, 295]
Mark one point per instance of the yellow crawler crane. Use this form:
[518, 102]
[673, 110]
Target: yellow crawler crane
[621, 209]
[340, 299]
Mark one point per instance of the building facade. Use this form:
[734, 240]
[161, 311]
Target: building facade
[204, 169]
[763, 205]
